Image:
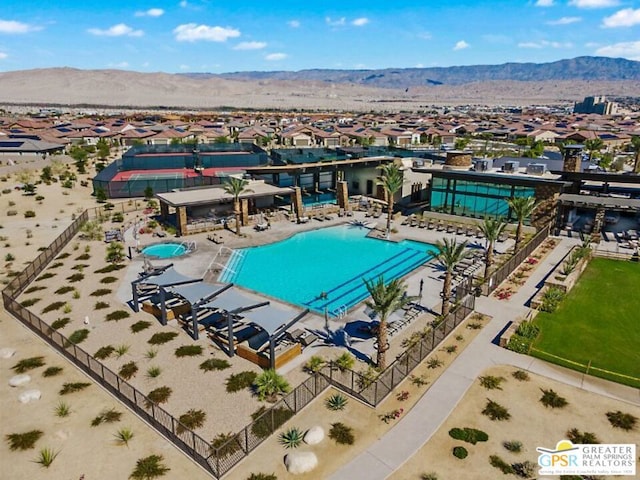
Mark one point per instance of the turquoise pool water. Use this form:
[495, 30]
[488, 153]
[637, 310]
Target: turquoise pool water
[332, 260]
[165, 250]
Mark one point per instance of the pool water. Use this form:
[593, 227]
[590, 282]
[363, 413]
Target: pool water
[333, 260]
[165, 250]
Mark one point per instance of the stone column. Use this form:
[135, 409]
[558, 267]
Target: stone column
[181, 220]
[598, 221]
[297, 202]
[343, 194]
[244, 211]
[164, 210]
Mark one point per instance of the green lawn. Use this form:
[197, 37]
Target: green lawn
[598, 322]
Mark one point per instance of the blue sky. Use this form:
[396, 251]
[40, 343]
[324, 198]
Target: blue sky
[225, 36]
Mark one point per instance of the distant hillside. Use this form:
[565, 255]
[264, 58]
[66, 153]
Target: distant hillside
[580, 68]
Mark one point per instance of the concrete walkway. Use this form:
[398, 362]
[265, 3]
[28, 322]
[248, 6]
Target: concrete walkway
[413, 430]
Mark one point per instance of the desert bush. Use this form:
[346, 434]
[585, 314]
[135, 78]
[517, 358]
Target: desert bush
[62, 409]
[291, 438]
[65, 289]
[114, 267]
[83, 257]
[128, 370]
[79, 267]
[60, 323]
[191, 419]
[240, 381]
[524, 469]
[520, 375]
[419, 380]
[345, 361]
[30, 302]
[336, 402]
[12, 213]
[434, 362]
[62, 256]
[101, 292]
[9, 257]
[366, 377]
[23, 441]
[224, 445]
[264, 425]
[159, 395]
[262, 476]
[45, 276]
[470, 435]
[104, 352]
[55, 265]
[341, 433]
[107, 416]
[76, 277]
[624, 421]
[460, 452]
[551, 399]
[27, 364]
[118, 315]
[78, 336]
[153, 372]
[314, 364]
[34, 289]
[495, 411]
[52, 371]
[100, 305]
[139, 326]
[151, 353]
[53, 306]
[67, 308]
[73, 387]
[162, 338]
[149, 467]
[29, 214]
[123, 436]
[188, 351]
[451, 349]
[122, 349]
[491, 382]
[501, 465]
[576, 436]
[429, 476]
[551, 298]
[212, 364]
[107, 280]
[514, 446]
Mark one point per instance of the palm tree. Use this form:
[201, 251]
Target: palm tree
[236, 186]
[269, 384]
[635, 144]
[385, 299]
[449, 255]
[593, 145]
[391, 180]
[492, 228]
[522, 208]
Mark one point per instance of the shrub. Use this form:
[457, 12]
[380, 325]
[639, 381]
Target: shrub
[122, 349]
[576, 436]
[474, 326]
[520, 375]
[224, 445]
[29, 302]
[153, 372]
[34, 289]
[78, 336]
[23, 441]
[291, 438]
[149, 467]
[264, 425]
[151, 353]
[434, 362]
[62, 409]
[625, 421]
[191, 420]
[341, 433]
[46, 457]
[460, 452]
[366, 377]
[107, 280]
[139, 326]
[495, 411]
[314, 364]
[9, 257]
[101, 292]
[27, 364]
[56, 265]
[84, 256]
[552, 399]
[240, 381]
[118, 315]
[212, 364]
[67, 308]
[79, 267]
[109, 268]
[524, 469]
[12, 213]
[45, 276]
[52, 371]
[62, 256]
[76, 277]
[345, 361]
[29, 214]
[73, 387]
[451, 349]
[107, 416]
[269, 384]
[104, 352]
[123, 436]
[128, 370]
[162, 338]
[491, 382]
[262, 476]
[514, 446]
[65, 289]
[60, 323]
[188, 351]
[100, 305]
[470, 435]
[419, 381]
[429, 476]
[53, 306]
[551, 298]
[500, 464]
[336, 402]
[159, 395]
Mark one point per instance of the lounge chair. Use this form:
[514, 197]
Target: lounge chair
[440, 227]
[469, 232]
[431, 225]
[460, 230]
[414, 222]
[341, 212]
[422, 223]
[450, 228]
[406, 221]
[349, 213]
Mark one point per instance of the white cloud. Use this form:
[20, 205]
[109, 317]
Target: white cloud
[419, 65]
[119, 30]
[545, 44]
[461, 45]
[529, 45]
[118, 65]
[630, 50]
[183, 3]
[152, 12]
[594, 3]
[627, 17]
[183, 67]
[11, 26]
[336, 23]
[294, 23]
[250, 46]
[190, 32]
[565, 21]
[360, 22]
[3, 55]
[272, 57]
[544, 3]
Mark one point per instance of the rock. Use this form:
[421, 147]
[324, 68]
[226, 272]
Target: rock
[29, 395]
[18, 380]
[314, 435]
[7, 352]
[300, 462]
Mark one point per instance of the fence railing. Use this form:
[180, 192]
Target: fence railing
[506, 269]
[372, 392]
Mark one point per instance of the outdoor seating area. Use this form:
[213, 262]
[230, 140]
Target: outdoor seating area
[423, 221]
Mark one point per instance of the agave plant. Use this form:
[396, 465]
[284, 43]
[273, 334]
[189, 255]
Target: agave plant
[46, 457]
[292, 438]
[336, 402]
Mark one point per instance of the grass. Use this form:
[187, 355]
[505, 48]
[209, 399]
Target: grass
[46, 457]
[240, 381]
[214, 364]
[154, 372]
[584, 330]
[62, 409]
[161, 338]
[188, 351]
[23, 441]
[139, 326]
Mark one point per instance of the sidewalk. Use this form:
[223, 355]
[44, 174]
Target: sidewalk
[414, 429]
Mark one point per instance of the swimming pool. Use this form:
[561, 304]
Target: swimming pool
[332, 260]
[165, 250]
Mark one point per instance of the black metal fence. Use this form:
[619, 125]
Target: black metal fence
[497, 277]
[372, 392]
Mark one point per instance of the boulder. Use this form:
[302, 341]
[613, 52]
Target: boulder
[300, 462]
[7, 352]
[29, 395]
[18, 380]
[314, 435]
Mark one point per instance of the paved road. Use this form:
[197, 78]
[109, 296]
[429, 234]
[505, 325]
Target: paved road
[411, 432]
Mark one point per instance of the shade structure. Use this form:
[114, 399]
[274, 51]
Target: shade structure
[231, 300]
[270, 317]
[195, 292]
[170, 277]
